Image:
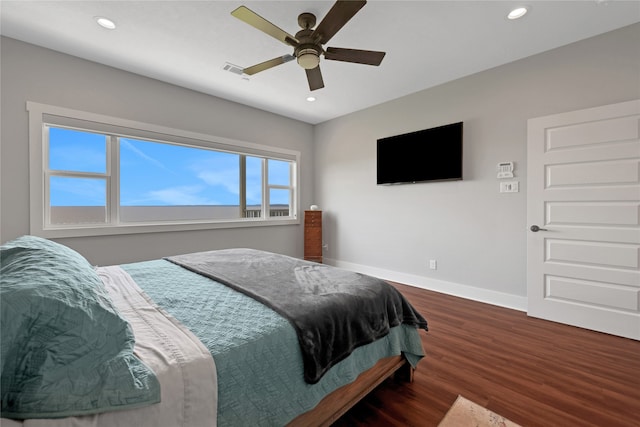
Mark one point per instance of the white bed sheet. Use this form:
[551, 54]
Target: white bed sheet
[184, 367]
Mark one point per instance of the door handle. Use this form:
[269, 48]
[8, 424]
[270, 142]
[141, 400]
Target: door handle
[535, 229]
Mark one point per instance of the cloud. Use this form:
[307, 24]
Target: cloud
[228, 179]
[124, 143]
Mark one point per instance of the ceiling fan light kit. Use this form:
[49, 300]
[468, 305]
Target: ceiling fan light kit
[307, 43]
[308, 58]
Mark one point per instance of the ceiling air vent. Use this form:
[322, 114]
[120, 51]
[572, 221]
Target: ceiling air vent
[233, 68]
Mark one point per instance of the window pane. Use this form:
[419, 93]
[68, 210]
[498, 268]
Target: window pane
[72, 150]
[161, 181]
[77, 200]
[279, 172]
[278, 202]
[253, 186]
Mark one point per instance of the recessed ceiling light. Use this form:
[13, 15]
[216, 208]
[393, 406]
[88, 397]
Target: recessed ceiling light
[517, 13]
[105, 22]
[311, 98]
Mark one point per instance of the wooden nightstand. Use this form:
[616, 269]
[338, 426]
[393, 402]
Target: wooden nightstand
[313, 236]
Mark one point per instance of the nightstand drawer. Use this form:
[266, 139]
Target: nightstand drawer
[313, 219]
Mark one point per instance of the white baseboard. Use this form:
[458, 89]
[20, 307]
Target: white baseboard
[451, 288]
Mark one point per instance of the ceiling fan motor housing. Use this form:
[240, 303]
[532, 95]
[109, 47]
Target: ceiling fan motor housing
[307, 52]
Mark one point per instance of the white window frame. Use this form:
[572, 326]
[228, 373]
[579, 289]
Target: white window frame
[43, 114]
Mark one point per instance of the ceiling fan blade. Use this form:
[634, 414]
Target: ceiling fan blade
[268, 64]
[314, 77]
[250, 17]
[338, 15]
[368, 57]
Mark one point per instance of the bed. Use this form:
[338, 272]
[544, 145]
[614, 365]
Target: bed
[177, 342]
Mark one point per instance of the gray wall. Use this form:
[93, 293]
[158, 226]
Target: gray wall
[31, 73]
[476, 234]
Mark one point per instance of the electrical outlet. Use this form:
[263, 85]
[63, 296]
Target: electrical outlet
[433, 264]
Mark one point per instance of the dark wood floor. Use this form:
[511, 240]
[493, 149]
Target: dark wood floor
[534, 372]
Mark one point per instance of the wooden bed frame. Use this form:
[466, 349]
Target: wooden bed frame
[336, 404]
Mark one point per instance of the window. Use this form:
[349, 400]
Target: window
[76, 176]
[96, 175]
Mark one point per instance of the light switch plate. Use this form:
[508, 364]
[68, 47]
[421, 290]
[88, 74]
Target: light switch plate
[510, 187]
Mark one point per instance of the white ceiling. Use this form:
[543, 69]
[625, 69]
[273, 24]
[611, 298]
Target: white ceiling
[187, 43]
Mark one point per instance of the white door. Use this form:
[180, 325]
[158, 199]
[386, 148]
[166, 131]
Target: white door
[583, 193]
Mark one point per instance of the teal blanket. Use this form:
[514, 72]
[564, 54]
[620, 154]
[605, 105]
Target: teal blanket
[332, 310]
[258, 361]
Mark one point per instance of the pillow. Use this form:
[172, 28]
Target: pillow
[64, 348]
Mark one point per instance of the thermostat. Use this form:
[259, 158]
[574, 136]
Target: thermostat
[505, 170]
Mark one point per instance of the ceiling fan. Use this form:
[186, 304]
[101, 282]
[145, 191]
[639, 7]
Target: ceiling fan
[307, 43]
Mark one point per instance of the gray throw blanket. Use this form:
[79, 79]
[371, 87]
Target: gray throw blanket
[332, 310]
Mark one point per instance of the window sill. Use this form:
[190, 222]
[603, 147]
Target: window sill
[105, 230]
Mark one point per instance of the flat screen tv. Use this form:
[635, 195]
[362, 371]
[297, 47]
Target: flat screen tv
[433, 154]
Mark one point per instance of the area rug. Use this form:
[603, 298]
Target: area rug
[465, 413]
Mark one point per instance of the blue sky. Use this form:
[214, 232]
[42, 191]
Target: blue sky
[154, 174]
